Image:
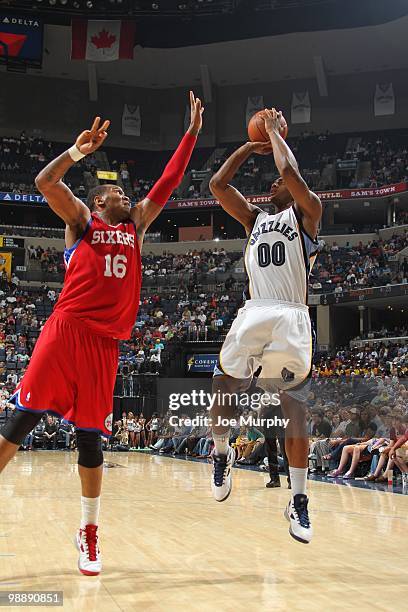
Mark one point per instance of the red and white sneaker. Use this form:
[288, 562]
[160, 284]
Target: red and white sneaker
[89, 562]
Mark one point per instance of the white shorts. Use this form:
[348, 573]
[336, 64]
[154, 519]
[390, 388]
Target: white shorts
[272, 334]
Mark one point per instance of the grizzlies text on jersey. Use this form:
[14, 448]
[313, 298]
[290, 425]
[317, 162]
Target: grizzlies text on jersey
[278, 258]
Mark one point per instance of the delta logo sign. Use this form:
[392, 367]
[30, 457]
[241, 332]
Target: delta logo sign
[11, 44]
[20, 38]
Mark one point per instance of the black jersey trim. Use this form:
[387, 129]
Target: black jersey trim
[247, 291]
[299, 220]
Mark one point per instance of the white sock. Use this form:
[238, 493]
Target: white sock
[221, 442]
[298, 479]
[89, 511]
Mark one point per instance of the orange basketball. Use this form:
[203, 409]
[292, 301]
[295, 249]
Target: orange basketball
[256, 128]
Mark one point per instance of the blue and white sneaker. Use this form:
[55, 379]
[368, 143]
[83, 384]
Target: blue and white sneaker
[221, 479]
[298, 516]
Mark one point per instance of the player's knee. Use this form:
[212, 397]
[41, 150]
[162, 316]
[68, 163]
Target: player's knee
[19, 425]
[89, 445]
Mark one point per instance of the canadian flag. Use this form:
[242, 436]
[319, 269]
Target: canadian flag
[102, 41]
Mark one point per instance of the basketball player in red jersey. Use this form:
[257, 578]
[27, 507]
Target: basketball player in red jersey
[73, 367]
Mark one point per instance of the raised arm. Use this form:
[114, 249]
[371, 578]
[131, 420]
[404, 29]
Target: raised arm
[146, 211]
[49, 181]
[231, 200]
[307, 202]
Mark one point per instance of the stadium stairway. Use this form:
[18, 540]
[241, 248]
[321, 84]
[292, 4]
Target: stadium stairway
[328, 176]
[218, 153]
[363, 171]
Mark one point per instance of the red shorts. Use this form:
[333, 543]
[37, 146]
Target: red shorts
[72, 373]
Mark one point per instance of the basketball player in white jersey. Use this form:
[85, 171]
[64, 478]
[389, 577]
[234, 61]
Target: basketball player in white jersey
[273, 329]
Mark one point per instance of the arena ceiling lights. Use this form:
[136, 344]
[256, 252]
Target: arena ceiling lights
[134, 8]
[170, 8]
[269, 5]
[108, 7]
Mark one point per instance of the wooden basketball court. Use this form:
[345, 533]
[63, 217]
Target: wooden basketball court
[167, 545]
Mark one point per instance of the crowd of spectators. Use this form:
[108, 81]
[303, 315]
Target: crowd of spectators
[32, 231]
[51, 260]
[389, 163]
[401, 217]
[340, 269]
[194, 265]
[22, 157]
[357, 423]
[337, 269]
[359, 391]
[189, 311]
[194, 306]
[398, 331]
[355, 419]
[163, 321]
[381, 359]
[133, 431]
[185, 315]
[23, 314]
[50, 433]
[358, 405]
[193, 262]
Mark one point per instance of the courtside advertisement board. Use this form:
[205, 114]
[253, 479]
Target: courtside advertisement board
[201, 363]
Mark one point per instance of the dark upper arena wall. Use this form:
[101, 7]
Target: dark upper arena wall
[58, 108]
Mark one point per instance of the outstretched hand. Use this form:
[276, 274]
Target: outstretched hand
[273, 120]
[197, 110]
[90, 140]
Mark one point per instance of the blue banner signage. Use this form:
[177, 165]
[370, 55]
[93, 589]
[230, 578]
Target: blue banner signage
[29, 198]
[21, 38]
[201, 363]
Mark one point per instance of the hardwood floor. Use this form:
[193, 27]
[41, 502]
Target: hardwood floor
[168, 546]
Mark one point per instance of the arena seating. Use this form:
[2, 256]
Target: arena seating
[190, 314]
[339, 269]
[384, 155]
[22, 158]
[344, 411]
[193, 304]
[200, 292]
[385, 158]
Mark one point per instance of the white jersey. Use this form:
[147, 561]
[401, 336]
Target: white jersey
[278, 258]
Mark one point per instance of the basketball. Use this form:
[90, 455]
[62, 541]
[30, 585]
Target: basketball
[256, 128]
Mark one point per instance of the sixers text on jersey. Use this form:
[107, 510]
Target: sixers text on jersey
[103, 278]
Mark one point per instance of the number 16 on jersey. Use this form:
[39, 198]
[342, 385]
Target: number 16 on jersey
[115, 266]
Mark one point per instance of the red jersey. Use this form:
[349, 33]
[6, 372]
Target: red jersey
[103, 278]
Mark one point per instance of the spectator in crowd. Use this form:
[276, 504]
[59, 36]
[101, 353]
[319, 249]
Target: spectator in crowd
[50, 433]
[254, 438]
[152, 427]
